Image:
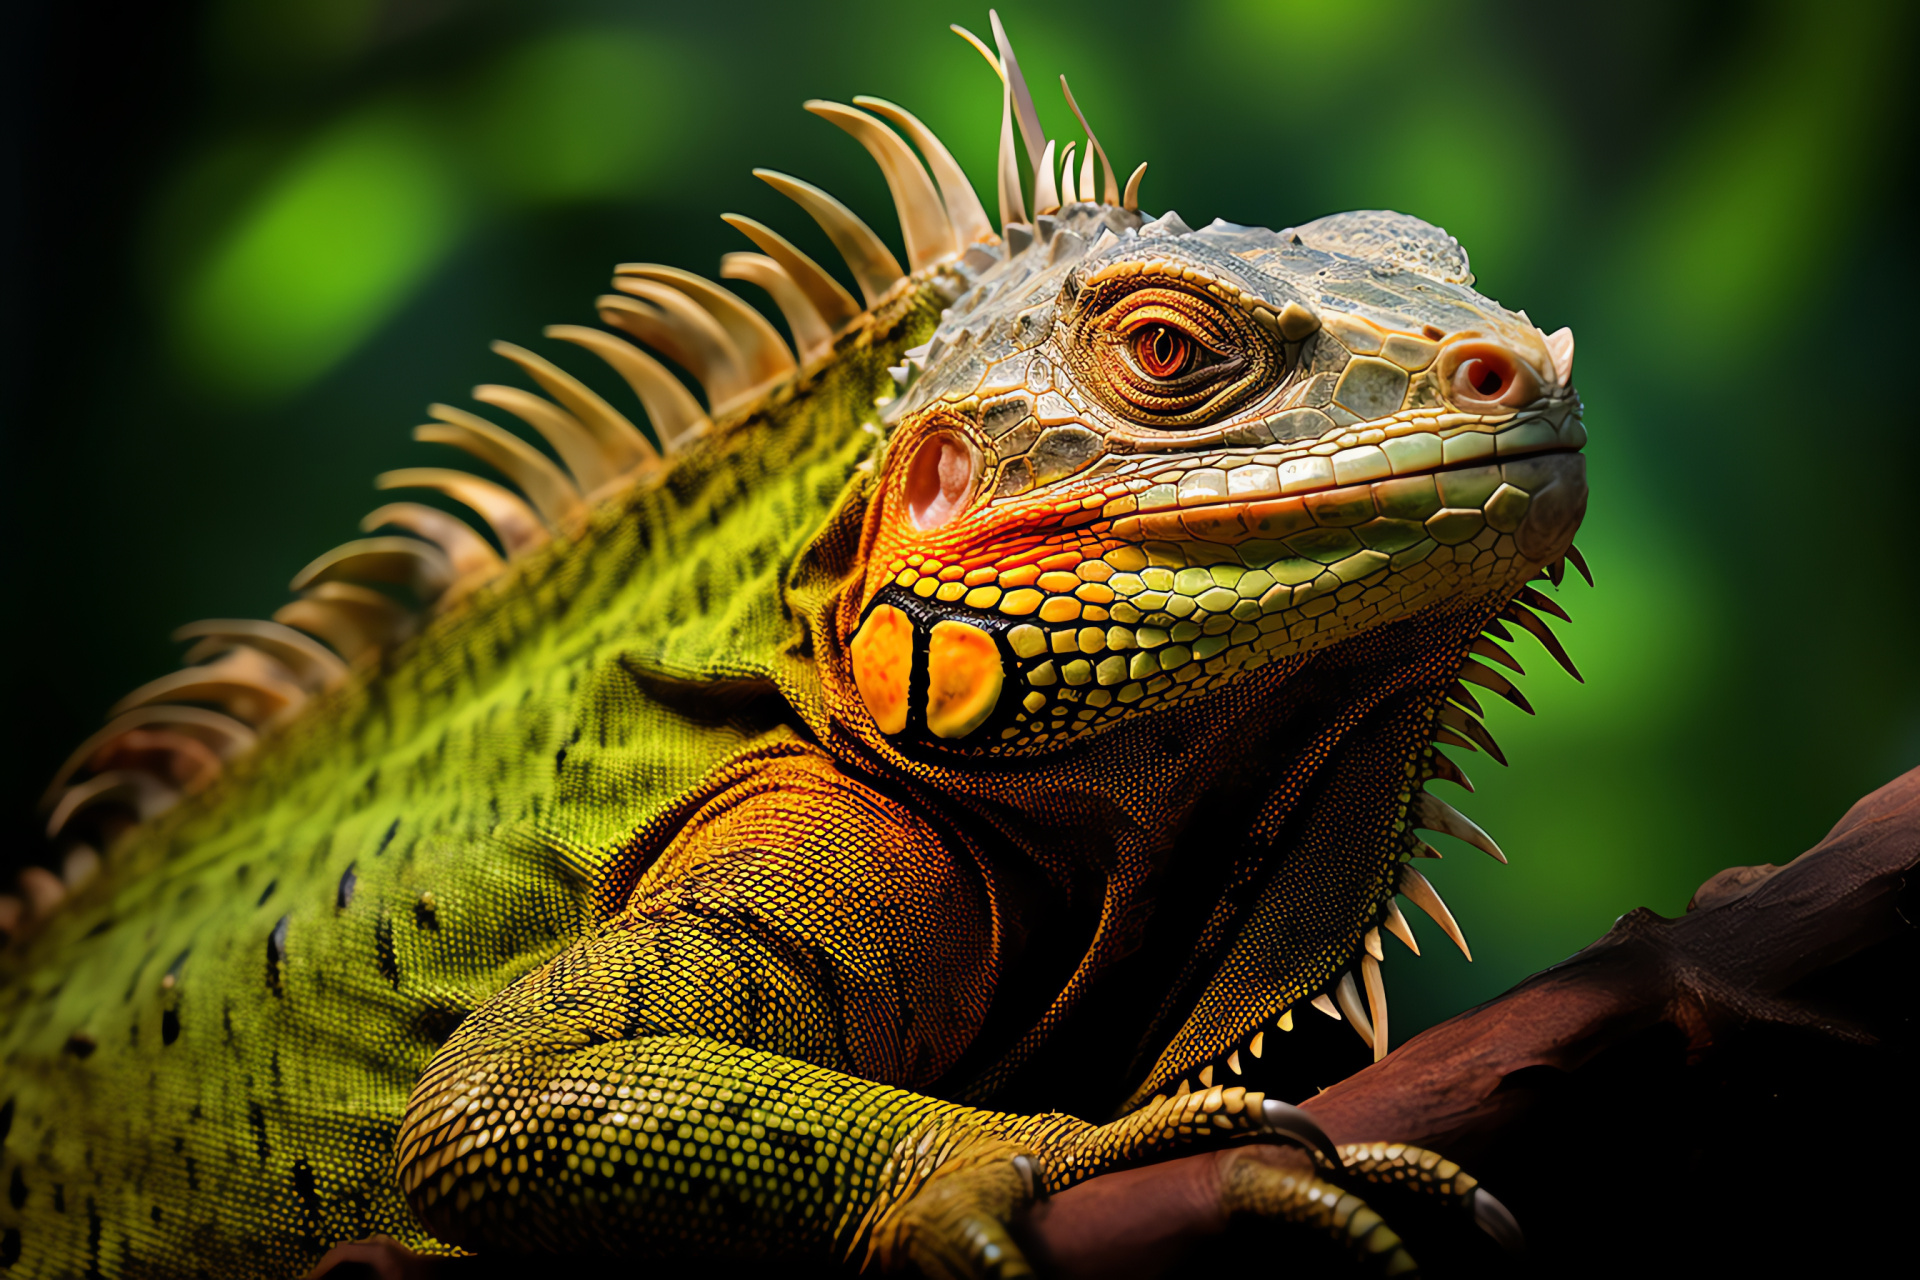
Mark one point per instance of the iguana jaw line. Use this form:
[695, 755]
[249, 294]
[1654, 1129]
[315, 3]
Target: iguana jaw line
[1086, 618]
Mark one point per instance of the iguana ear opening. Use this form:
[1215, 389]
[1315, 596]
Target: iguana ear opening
[939, 480]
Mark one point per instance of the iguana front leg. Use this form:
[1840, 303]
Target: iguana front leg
[678, 1144]
[728, 1065]
[697, 1074]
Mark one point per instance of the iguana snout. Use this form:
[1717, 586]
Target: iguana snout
[1143, 461]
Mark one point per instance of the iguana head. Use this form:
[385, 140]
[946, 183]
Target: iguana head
[1143, 461]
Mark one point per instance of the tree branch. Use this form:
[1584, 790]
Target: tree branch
[1749, 987]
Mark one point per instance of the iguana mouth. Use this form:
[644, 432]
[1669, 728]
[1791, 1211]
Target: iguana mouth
[1223, 563]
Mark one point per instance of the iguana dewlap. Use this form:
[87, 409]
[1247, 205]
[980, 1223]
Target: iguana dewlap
[732, 853]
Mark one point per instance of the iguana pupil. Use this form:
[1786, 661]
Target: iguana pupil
[1163, 353]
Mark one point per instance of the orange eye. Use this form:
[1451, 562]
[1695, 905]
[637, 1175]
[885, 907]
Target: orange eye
[1166, 356]
[1162, 352]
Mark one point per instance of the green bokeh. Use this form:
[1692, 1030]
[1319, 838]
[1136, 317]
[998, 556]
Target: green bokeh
[1708, 194]
[582, 113]
[331, 247]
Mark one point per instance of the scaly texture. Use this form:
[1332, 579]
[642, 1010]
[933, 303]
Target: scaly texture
[812, 823]
[247, 999]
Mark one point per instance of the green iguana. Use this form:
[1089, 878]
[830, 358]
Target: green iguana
[1010, 703]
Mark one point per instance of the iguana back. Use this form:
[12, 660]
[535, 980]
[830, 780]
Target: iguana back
[207, 1051]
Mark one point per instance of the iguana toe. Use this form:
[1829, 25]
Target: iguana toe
[1254, 1188]
[956, 1226]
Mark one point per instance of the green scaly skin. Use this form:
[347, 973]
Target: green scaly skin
[428, 835]
[609, 915]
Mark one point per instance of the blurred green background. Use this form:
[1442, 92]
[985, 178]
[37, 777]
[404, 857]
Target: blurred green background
[249, 242]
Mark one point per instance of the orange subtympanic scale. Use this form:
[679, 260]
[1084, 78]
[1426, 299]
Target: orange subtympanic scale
[963, 679]
[882, 662]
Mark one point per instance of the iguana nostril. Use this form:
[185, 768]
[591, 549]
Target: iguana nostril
[1485, 375]
[939, 481]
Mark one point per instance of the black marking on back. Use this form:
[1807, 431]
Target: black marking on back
[438, 1023]
[426, 914]
[6, 1120]
[179, 961]
[387, 839]
[17, 1189]
[383, 953]
[276, 952]
[303, 1186]
[94, 1226]
[80, 1045]
[709, 701]
[348, 882]
[257, 1121]
[10, 1248]
[169, 1026]
[267, 892]
[133, 983]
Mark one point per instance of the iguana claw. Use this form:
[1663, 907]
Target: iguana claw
[1429, 1173]
[1257, 1187]
[1287, 1121]
[1497, 1221]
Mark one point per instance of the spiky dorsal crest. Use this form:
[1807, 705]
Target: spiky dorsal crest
[246, 679]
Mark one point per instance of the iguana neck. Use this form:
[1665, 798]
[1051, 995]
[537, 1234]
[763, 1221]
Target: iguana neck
[1281, 794]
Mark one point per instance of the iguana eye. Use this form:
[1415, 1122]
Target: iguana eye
[1167, 356]
[1163, 352]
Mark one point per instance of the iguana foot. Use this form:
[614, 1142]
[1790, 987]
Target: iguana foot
[1395, 1164]
[1254, 1188]
[954, 1224]
[1328, 1199]
[957, 1208]
[1156, 1219]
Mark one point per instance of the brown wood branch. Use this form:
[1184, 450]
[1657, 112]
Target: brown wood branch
[1753, 945]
